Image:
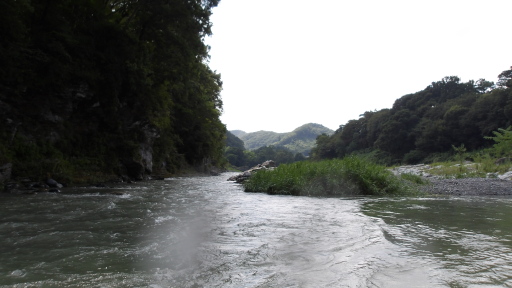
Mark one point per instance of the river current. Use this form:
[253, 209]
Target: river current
[207, 232]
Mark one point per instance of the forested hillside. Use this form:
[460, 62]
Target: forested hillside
[240, 158]
[266, 145]
[446, 114]
[300, 140]
[90, 87]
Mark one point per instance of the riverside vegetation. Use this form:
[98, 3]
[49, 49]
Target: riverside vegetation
[360, 175]
[423, 127]
[349, 176]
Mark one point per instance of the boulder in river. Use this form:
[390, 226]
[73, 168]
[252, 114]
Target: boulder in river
[52, 183]
[240, 178]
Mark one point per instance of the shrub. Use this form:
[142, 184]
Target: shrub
[503, 142]
[349, 176]
[413, 178]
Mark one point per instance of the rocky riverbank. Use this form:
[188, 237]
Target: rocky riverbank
[493, 185]
[468, 186]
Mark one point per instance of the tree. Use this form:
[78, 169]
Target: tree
[505, 79]
[108, 79]
[502, 141]
[324, 148]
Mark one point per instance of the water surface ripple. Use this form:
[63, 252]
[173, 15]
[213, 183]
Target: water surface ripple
[206, 232]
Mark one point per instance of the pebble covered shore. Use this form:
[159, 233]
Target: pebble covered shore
[498, 185]
[469, 186]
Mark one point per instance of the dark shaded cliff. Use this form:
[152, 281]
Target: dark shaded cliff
[90, 89]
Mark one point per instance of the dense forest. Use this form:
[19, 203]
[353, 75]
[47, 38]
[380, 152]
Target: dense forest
[241, 158]
[426, 125]
[107, 87]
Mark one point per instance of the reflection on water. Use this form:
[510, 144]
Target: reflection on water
[206, 232]
[469, 237]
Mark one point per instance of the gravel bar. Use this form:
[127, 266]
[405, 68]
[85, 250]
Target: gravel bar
[469, 186]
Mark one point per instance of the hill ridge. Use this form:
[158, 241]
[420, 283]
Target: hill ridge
[301, 140]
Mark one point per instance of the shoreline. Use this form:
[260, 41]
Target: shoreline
[468, 187]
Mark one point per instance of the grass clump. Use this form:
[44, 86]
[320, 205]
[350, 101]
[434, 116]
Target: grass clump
[413, 178]
[338, 177]
[483, 166]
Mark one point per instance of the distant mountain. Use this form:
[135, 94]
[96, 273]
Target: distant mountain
[238, 133]
[233, 141]
[300, 140]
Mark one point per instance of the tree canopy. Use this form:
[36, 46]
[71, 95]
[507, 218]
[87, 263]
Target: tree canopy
[445, 114]
[104, 77]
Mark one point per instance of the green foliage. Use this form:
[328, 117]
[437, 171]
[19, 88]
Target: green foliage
[234, 151]
[280, 155]
[423, 126]
[413, 178]
[94, 81]
[348, 176]
[237, 156]
[415, 157]
[460, 155]
[456, 170]
[505, 79]
[234, 141]
[301, 140]
[503, 142]
[483, 165]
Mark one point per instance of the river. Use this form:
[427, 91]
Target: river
[207, 232]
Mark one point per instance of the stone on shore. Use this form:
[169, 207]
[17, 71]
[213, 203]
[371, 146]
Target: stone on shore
[240, 178]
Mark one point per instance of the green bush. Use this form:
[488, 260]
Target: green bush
[503, 142]
[413, 178]
[349, 176]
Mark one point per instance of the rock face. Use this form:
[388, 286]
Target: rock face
[140, 165]
[5, 174]
[240, 178]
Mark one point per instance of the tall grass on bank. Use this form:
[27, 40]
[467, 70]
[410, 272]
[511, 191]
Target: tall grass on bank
[338, 177]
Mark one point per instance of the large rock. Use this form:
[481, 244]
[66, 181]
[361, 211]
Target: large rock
[5, 174]
[54, 184]
[240, 178]
[140, 165]
[269, 164]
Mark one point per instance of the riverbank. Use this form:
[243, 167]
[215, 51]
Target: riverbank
[494, 184]
[468, 187]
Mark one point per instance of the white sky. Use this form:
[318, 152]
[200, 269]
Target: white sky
[285, 63]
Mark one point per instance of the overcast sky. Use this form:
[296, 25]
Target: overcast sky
[285, 63]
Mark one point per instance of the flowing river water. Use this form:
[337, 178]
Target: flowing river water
[207, 232]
